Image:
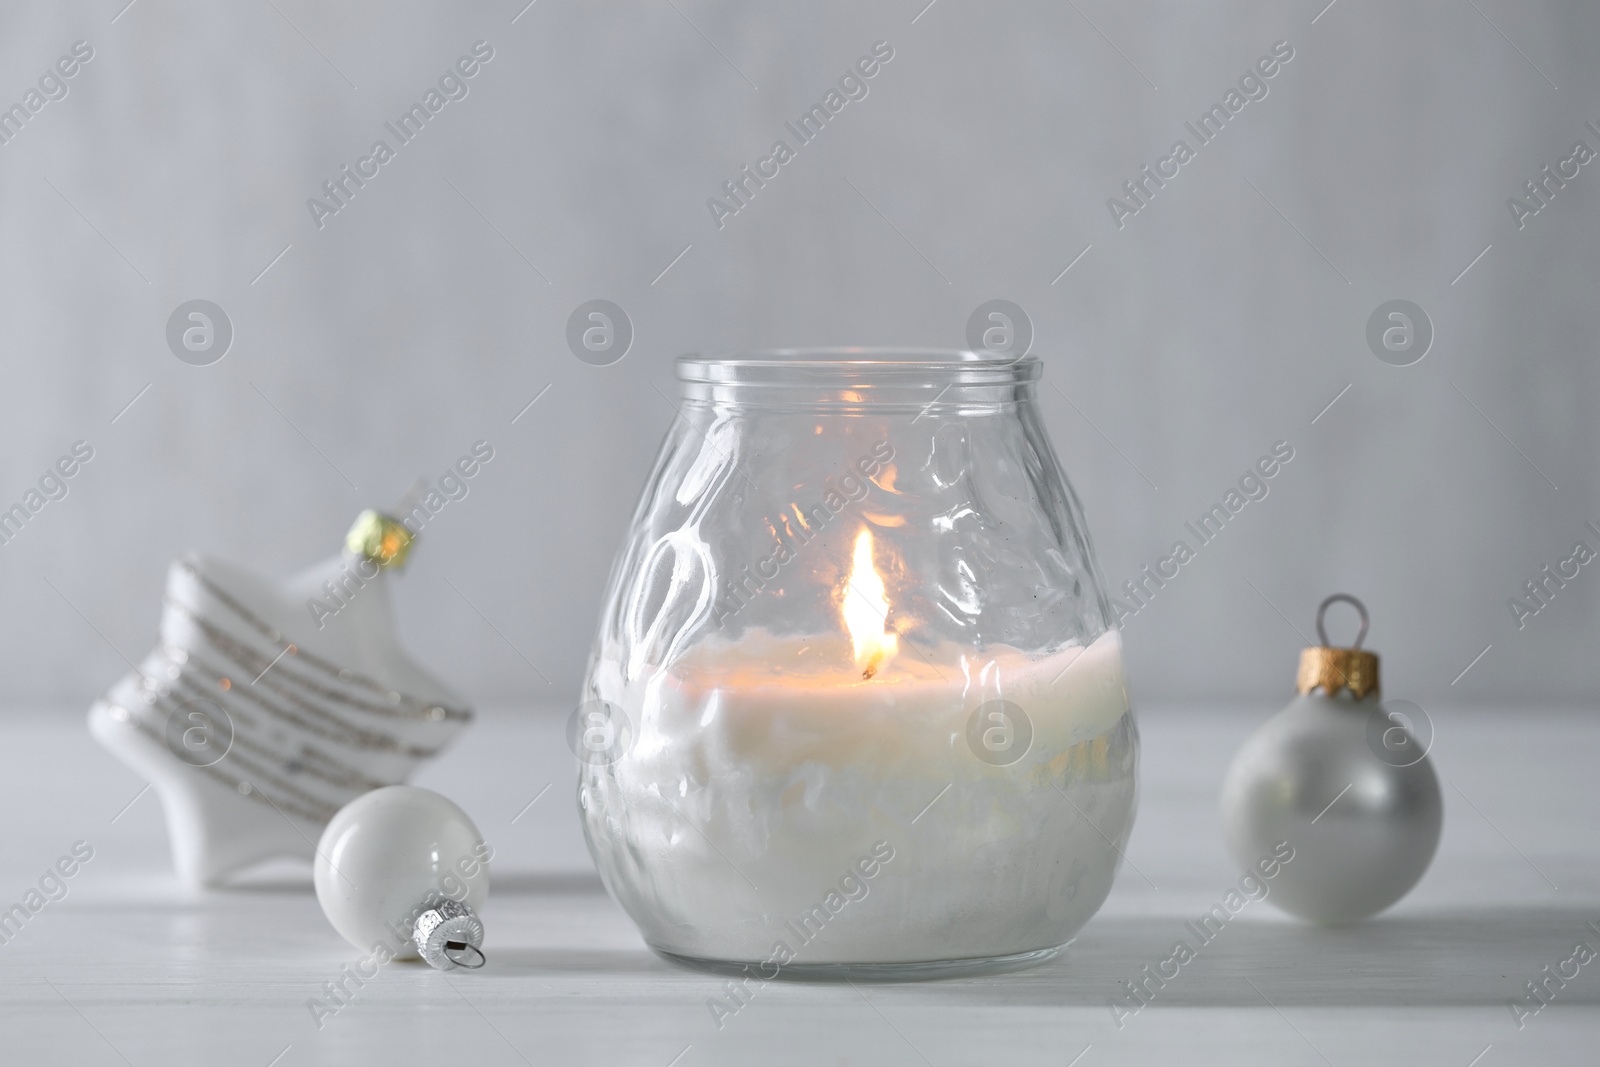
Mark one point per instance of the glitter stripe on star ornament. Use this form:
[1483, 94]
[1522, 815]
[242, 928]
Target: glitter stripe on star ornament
[265, 706]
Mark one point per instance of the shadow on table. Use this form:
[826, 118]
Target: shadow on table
[1460, 957]
[553, 962]
[1464, 957]
[552, 883]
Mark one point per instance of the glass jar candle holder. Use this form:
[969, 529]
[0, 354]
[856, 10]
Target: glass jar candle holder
[856, 707]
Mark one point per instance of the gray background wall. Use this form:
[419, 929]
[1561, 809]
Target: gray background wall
[1222, 318]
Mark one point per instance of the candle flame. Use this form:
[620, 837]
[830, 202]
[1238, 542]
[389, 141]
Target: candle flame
[866, 610]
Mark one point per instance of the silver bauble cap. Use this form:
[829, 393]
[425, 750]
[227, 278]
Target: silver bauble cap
[448, 934]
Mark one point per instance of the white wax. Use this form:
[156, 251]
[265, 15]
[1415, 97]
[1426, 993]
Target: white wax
[763, 770]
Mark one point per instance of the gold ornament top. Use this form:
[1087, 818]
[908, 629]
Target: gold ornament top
[380, 538]
[1333, 669]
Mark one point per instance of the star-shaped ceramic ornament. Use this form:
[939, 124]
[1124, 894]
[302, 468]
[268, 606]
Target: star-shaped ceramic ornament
[267, 706]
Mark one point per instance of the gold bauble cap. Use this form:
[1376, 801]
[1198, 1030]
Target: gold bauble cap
[380, 538]
[1332, 669]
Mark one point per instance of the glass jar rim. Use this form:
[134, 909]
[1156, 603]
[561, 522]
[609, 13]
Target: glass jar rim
[858, 365]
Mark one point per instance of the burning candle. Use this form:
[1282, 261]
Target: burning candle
[876, 718]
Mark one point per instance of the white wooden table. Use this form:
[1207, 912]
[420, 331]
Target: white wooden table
[128, 968]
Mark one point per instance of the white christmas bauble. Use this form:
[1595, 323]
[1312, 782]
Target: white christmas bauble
[389, 856]
[1335, 795]
[1363, 828]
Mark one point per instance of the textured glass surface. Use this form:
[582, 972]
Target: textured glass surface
[865, 698]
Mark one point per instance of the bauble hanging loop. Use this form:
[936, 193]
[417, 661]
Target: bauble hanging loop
[1361, 609]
